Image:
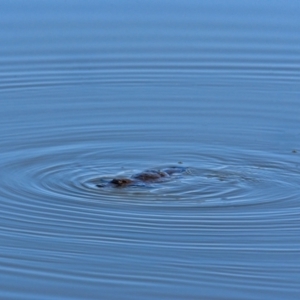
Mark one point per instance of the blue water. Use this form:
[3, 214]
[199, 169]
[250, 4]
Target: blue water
[93, 90]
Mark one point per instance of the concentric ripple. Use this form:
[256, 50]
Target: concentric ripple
[72, 174]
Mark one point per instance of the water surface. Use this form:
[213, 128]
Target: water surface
[92, 90]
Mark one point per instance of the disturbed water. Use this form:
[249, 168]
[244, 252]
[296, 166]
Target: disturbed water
[92, 90]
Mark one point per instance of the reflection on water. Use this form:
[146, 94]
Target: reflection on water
[93, 92]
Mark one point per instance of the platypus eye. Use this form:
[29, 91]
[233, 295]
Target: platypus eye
[120, 181]
[116, 181]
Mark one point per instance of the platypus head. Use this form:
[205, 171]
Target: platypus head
[121, 181]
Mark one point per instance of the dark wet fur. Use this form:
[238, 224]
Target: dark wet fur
[148, 176]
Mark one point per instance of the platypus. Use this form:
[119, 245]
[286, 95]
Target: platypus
[148, 176]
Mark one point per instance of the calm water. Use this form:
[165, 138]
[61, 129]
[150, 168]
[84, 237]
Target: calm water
[91, 90]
